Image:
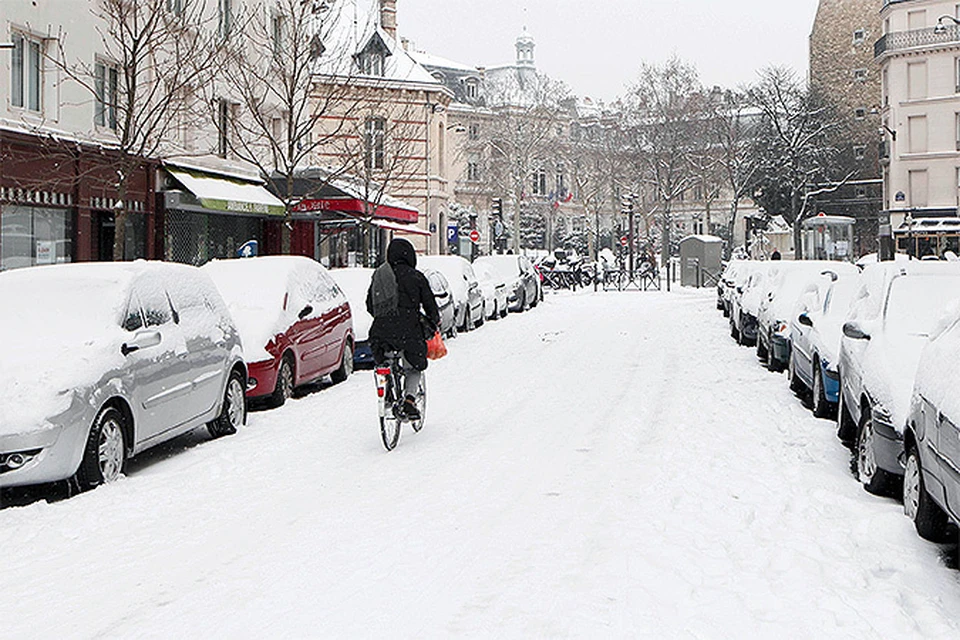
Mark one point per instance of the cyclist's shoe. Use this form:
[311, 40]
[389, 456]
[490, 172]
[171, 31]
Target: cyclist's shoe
[410, 411]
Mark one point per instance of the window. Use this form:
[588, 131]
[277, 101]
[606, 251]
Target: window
[859, 75]
[917, 181]
[956, 74]
[373, 141]
[859, 151]
[223, 127]
[225, 18]
[105, 82]
[25, 73]
[560, 182]
[473, 131]
[373, 60]
[957, 129]
[860, 113]
[859, 36]
[884, 85]
[917, 80]
[473, 168]
[276, 28]
[917, 127]
[176, 7]
[540, 182]
[471, 89]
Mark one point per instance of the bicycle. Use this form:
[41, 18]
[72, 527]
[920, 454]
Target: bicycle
[389, 378]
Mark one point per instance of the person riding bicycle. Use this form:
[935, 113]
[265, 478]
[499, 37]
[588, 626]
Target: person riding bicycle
[404, 329]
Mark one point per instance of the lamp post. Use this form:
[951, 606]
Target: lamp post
[942, 28]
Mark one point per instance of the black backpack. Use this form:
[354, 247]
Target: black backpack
[383, 291]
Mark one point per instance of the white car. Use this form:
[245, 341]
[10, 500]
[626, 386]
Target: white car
[897, 306]
[117, 358]
[467, 298]
[494, 289]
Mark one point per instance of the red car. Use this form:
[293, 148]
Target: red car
[294, 322]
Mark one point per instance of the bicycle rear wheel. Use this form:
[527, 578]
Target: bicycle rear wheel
[421, 403]
[389, 422]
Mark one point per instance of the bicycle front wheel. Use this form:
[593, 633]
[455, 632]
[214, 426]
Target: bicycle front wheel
[421, 403]
[389, 421]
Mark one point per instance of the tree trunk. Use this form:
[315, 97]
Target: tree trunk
[795, 205]
[120, 217]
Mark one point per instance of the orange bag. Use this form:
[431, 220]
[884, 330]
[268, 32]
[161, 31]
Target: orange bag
[435, 347]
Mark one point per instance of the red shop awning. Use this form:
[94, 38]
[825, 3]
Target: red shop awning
[401, 228]
[394, 211]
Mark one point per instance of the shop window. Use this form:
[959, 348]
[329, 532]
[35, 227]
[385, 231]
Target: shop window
[35, 235]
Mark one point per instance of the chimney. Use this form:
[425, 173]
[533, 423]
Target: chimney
[388, 17]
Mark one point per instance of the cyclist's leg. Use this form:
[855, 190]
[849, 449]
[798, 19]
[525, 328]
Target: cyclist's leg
[411, 377]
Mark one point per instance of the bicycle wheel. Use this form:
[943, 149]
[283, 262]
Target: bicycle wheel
[389, 422]
[421, 403]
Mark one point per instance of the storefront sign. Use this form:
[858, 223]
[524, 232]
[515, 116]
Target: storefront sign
[46, 252]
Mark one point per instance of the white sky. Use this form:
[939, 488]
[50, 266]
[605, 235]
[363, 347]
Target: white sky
[597, 46]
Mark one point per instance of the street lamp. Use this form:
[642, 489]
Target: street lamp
[942, 28]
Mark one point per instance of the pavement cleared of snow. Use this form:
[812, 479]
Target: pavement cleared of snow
[605, 464]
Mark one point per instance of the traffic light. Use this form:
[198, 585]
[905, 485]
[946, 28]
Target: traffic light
[626, 204]
[497, 207]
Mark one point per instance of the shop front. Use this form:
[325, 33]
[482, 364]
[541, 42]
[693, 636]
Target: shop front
[208, 215]
[340, 228]
[58, 203]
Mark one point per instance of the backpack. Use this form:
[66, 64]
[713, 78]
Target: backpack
[383, 291]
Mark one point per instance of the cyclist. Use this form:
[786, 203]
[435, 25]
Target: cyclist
[405, 330]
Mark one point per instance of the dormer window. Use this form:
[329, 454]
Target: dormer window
[471, 89]
[373, 59]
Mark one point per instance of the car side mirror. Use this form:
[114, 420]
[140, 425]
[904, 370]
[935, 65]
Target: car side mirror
[306, 311]
[141, 340]
[805, 320]
[854, 331]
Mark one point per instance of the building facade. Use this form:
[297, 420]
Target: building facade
[842, 69]
[918, 57]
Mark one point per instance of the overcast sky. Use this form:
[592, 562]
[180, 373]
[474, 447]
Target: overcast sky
[597, 46]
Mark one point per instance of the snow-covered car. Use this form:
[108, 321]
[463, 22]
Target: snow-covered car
[745, 306]
[734, 276]
[778, 304]
[897, 306]
[294, 321]
[441, 293]
[467, 298]
[931, 482]
[523, 283]
[494, 291]
[354, 282]
[815, 329]
[110, 359]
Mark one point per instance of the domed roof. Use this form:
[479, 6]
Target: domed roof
[525, 37]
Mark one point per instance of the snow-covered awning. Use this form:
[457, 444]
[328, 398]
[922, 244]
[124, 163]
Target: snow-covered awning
[228, 194]
[400, 228]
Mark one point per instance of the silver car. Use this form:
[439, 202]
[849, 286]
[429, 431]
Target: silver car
[103, 360]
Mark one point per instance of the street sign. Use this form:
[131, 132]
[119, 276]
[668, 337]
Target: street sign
[475, 235]
[453, 234]
[624, 241]
[248, 249]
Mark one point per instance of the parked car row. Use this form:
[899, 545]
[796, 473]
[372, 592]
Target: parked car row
[467, 294]
[879, 348]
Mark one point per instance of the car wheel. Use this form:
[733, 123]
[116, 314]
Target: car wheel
[733, 331]
[821, 408]
[234, 411]
[796, 385]
[105, 452]
[927, 516]
[874, 479]
[346, 365]
[283, 390]
[523, 300]
[846, 427]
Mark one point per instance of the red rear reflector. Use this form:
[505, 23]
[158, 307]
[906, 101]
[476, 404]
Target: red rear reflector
[383, 371]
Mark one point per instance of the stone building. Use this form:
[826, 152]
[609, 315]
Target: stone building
[842, 68]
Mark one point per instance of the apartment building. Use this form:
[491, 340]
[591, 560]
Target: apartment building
[918, 56]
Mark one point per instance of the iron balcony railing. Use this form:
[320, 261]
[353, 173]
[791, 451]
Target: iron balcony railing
[916, 38]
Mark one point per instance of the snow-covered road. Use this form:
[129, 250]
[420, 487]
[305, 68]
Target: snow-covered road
[608, 464]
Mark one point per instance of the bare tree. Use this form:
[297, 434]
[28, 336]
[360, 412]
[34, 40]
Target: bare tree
[665, 110]
[155, 55]
[793, 146]
[596, 157]
[522, 137]
[285, 116]
[732, 127]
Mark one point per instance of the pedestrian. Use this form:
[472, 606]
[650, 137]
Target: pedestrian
[403, 328]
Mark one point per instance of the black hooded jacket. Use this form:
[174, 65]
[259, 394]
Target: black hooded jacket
[405, 331]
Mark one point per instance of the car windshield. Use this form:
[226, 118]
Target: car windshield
[915, 303]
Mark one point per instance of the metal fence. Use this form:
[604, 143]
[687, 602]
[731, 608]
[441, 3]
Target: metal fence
[196, 238]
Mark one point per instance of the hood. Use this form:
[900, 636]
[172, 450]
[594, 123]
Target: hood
[401, 251]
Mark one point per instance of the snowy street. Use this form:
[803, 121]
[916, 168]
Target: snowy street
[605, 465]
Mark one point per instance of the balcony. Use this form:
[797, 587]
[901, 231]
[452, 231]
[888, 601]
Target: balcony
[918, 38]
